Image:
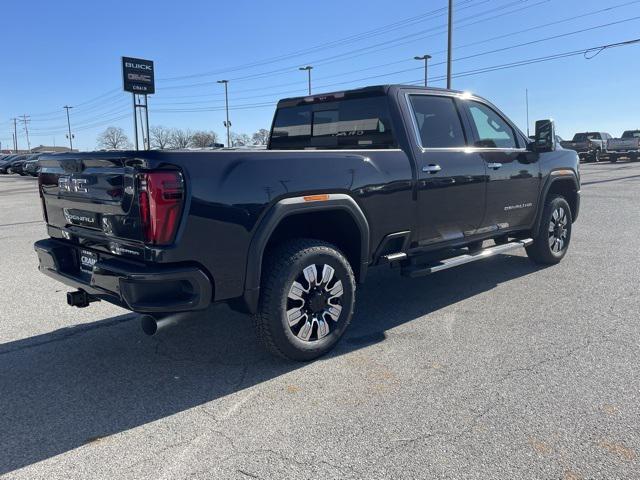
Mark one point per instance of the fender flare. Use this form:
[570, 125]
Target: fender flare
[294, 206]
[559, 175]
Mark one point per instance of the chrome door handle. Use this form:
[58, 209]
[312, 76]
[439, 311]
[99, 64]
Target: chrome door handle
[495, 166]
[431, 168]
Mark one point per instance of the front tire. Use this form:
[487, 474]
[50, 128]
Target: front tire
[307, 299]
[551, 241]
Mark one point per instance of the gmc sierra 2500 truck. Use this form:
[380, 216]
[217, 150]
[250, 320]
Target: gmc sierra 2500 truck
[627, 146]
[414, 177]
[591, 146]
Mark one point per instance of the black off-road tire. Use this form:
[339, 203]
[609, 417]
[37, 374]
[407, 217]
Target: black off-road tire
[556, 212]
[283, 266]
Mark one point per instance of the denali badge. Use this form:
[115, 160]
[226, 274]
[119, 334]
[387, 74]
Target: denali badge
[518, 207]
[68, 184]
[78, 218]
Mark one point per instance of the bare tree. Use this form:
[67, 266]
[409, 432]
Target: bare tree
[180, 138]
[160, 137]
[240, 139]
[114, 138]
[261, 137]
[202, 139]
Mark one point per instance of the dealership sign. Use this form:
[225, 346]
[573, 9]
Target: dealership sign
[137, 75]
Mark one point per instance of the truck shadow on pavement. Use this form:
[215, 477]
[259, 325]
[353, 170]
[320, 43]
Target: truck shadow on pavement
[67, 388]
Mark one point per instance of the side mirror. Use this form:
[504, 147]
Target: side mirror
[545, 139]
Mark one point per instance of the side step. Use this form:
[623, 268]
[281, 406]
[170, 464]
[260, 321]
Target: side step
[426, 269]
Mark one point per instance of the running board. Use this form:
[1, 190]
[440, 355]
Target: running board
[422, 270]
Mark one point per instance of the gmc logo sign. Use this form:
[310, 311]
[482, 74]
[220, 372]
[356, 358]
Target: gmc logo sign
[76, 185]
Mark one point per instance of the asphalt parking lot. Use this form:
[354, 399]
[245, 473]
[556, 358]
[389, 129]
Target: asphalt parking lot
[498, 369]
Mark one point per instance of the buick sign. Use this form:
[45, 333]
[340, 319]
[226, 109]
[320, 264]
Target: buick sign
[137, 76]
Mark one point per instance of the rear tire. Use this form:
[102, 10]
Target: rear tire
[613, 159]
[307, 299]
[551, 241]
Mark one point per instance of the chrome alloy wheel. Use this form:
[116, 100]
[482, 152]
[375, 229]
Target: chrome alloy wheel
[558, 230]
[314, 303]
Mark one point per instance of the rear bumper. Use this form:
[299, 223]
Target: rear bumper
[136, 286]
[622, 153]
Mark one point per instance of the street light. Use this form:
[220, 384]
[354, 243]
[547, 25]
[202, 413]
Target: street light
[308, 68]
[226, 123]
[426, 60]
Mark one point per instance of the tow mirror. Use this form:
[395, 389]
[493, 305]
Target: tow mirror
[545, 139]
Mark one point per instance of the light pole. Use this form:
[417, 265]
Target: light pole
[70, 137]
[308, 68]
[450, 44]
[426, 60]
[527, 100]
[227, 123]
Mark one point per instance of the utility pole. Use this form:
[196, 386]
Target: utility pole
[25, 122]
[527, 100]
[308, 68]
[426, 60]
[15, 135]
[227, 123]
[70, 137]
[450, 44]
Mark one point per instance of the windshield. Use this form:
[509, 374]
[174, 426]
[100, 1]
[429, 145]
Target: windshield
[631, 134]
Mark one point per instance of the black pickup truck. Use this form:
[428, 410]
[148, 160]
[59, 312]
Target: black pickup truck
[414, 177]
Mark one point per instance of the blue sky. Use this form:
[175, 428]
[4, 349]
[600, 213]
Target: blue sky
[68, 52]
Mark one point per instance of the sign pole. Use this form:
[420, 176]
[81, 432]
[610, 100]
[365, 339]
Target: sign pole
[135, 119]
[138, 78]
[146, 114]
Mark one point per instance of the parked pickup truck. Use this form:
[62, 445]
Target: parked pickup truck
[591, 146]
[415, 177]
[628, 146]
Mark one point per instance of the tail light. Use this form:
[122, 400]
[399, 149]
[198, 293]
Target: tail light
[160, 198]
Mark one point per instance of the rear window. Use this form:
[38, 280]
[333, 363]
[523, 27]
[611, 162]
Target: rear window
[359, 123]
[583, 137]
[631, 134]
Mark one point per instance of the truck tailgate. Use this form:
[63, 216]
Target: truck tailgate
[91, 196]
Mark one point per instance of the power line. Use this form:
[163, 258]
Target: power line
[368, 49]
[99, 100]
[467, 73]
[106, 99]
[371, 77]
[357, 37]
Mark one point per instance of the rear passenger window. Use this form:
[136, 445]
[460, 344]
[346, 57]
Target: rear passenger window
[492, 130]
[437, 121]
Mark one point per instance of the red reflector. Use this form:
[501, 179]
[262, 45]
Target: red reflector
[160, 201]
